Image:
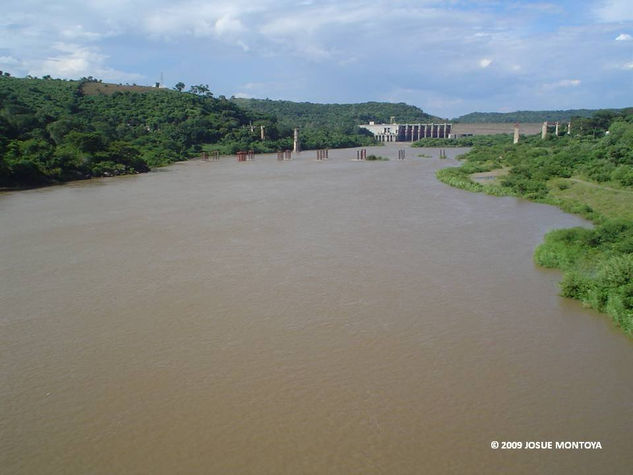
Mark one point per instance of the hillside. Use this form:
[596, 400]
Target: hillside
[56, 130]
[344, 116]
[524, 116]
[333, 125]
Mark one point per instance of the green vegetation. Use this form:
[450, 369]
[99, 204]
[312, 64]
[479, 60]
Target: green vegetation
[335, 124]
[471, 141]
[524, 116]
[309, 115]
[589, 173]
[54, 130]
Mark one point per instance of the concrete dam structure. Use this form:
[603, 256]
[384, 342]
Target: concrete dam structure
[411, 132]
[407, 132]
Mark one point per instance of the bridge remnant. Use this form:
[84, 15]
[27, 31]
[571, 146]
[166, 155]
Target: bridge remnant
[213, 155]
[243, 155]
[516, 133]
[556, 125]
[296, 146]
[284, 155]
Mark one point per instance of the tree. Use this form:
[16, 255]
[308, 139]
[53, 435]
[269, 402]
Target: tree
[200, 89]
[179, 86]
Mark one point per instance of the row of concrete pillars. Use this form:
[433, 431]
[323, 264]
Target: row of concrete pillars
[284, 155]
[296, 145]
[242, 156]
[556, 125]
[421, 131]
[413, 132]
[322, 154]
[214, 155]
[544, 130]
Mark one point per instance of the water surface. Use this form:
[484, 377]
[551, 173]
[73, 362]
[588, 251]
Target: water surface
[296, 317]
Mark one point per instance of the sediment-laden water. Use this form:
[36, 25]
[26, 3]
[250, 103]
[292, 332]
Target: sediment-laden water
[297, 317]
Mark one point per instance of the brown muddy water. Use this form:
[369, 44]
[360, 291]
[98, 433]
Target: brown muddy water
[297, 317]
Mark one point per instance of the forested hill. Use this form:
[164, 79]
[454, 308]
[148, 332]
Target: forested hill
[342, 116]
[53, 130]
[524, 116]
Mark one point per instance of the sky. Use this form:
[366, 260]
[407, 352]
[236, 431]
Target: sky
[447, 57]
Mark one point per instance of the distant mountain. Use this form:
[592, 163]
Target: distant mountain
[340, 116]
[525, 116]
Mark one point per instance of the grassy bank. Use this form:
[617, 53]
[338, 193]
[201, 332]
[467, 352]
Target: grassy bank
[586, 174]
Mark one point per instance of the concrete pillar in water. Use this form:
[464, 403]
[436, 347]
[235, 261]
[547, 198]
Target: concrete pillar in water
[544, 131]
[516, 133]
[296, 147]
[261, 132]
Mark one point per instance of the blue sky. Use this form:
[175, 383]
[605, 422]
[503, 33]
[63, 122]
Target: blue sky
[447, 57]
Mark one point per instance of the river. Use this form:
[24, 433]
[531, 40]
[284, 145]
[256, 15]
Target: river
[295, 317]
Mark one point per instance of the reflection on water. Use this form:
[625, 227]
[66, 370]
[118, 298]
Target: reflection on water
[296, 317]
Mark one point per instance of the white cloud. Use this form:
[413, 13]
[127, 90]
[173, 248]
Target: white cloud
[485, 62]
[73, 61]
[77, 32]
[228, 25]
[563, 83]
[8, 61]
[614, 11]
[344, 50]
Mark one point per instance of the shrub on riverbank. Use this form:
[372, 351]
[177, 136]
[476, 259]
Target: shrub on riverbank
[586, 175]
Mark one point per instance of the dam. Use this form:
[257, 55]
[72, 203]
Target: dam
[395, 132]
[407, 132]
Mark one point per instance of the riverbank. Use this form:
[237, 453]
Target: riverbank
[597, 264]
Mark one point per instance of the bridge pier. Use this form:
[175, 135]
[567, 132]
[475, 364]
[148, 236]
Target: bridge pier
[296, 146]
[516, 133]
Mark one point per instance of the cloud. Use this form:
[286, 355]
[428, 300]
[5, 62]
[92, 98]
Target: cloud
[78, 32]
[453, 56]
[485, 62]
[8, 61]
[73, 61]
[614, 11]
[563, 83]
